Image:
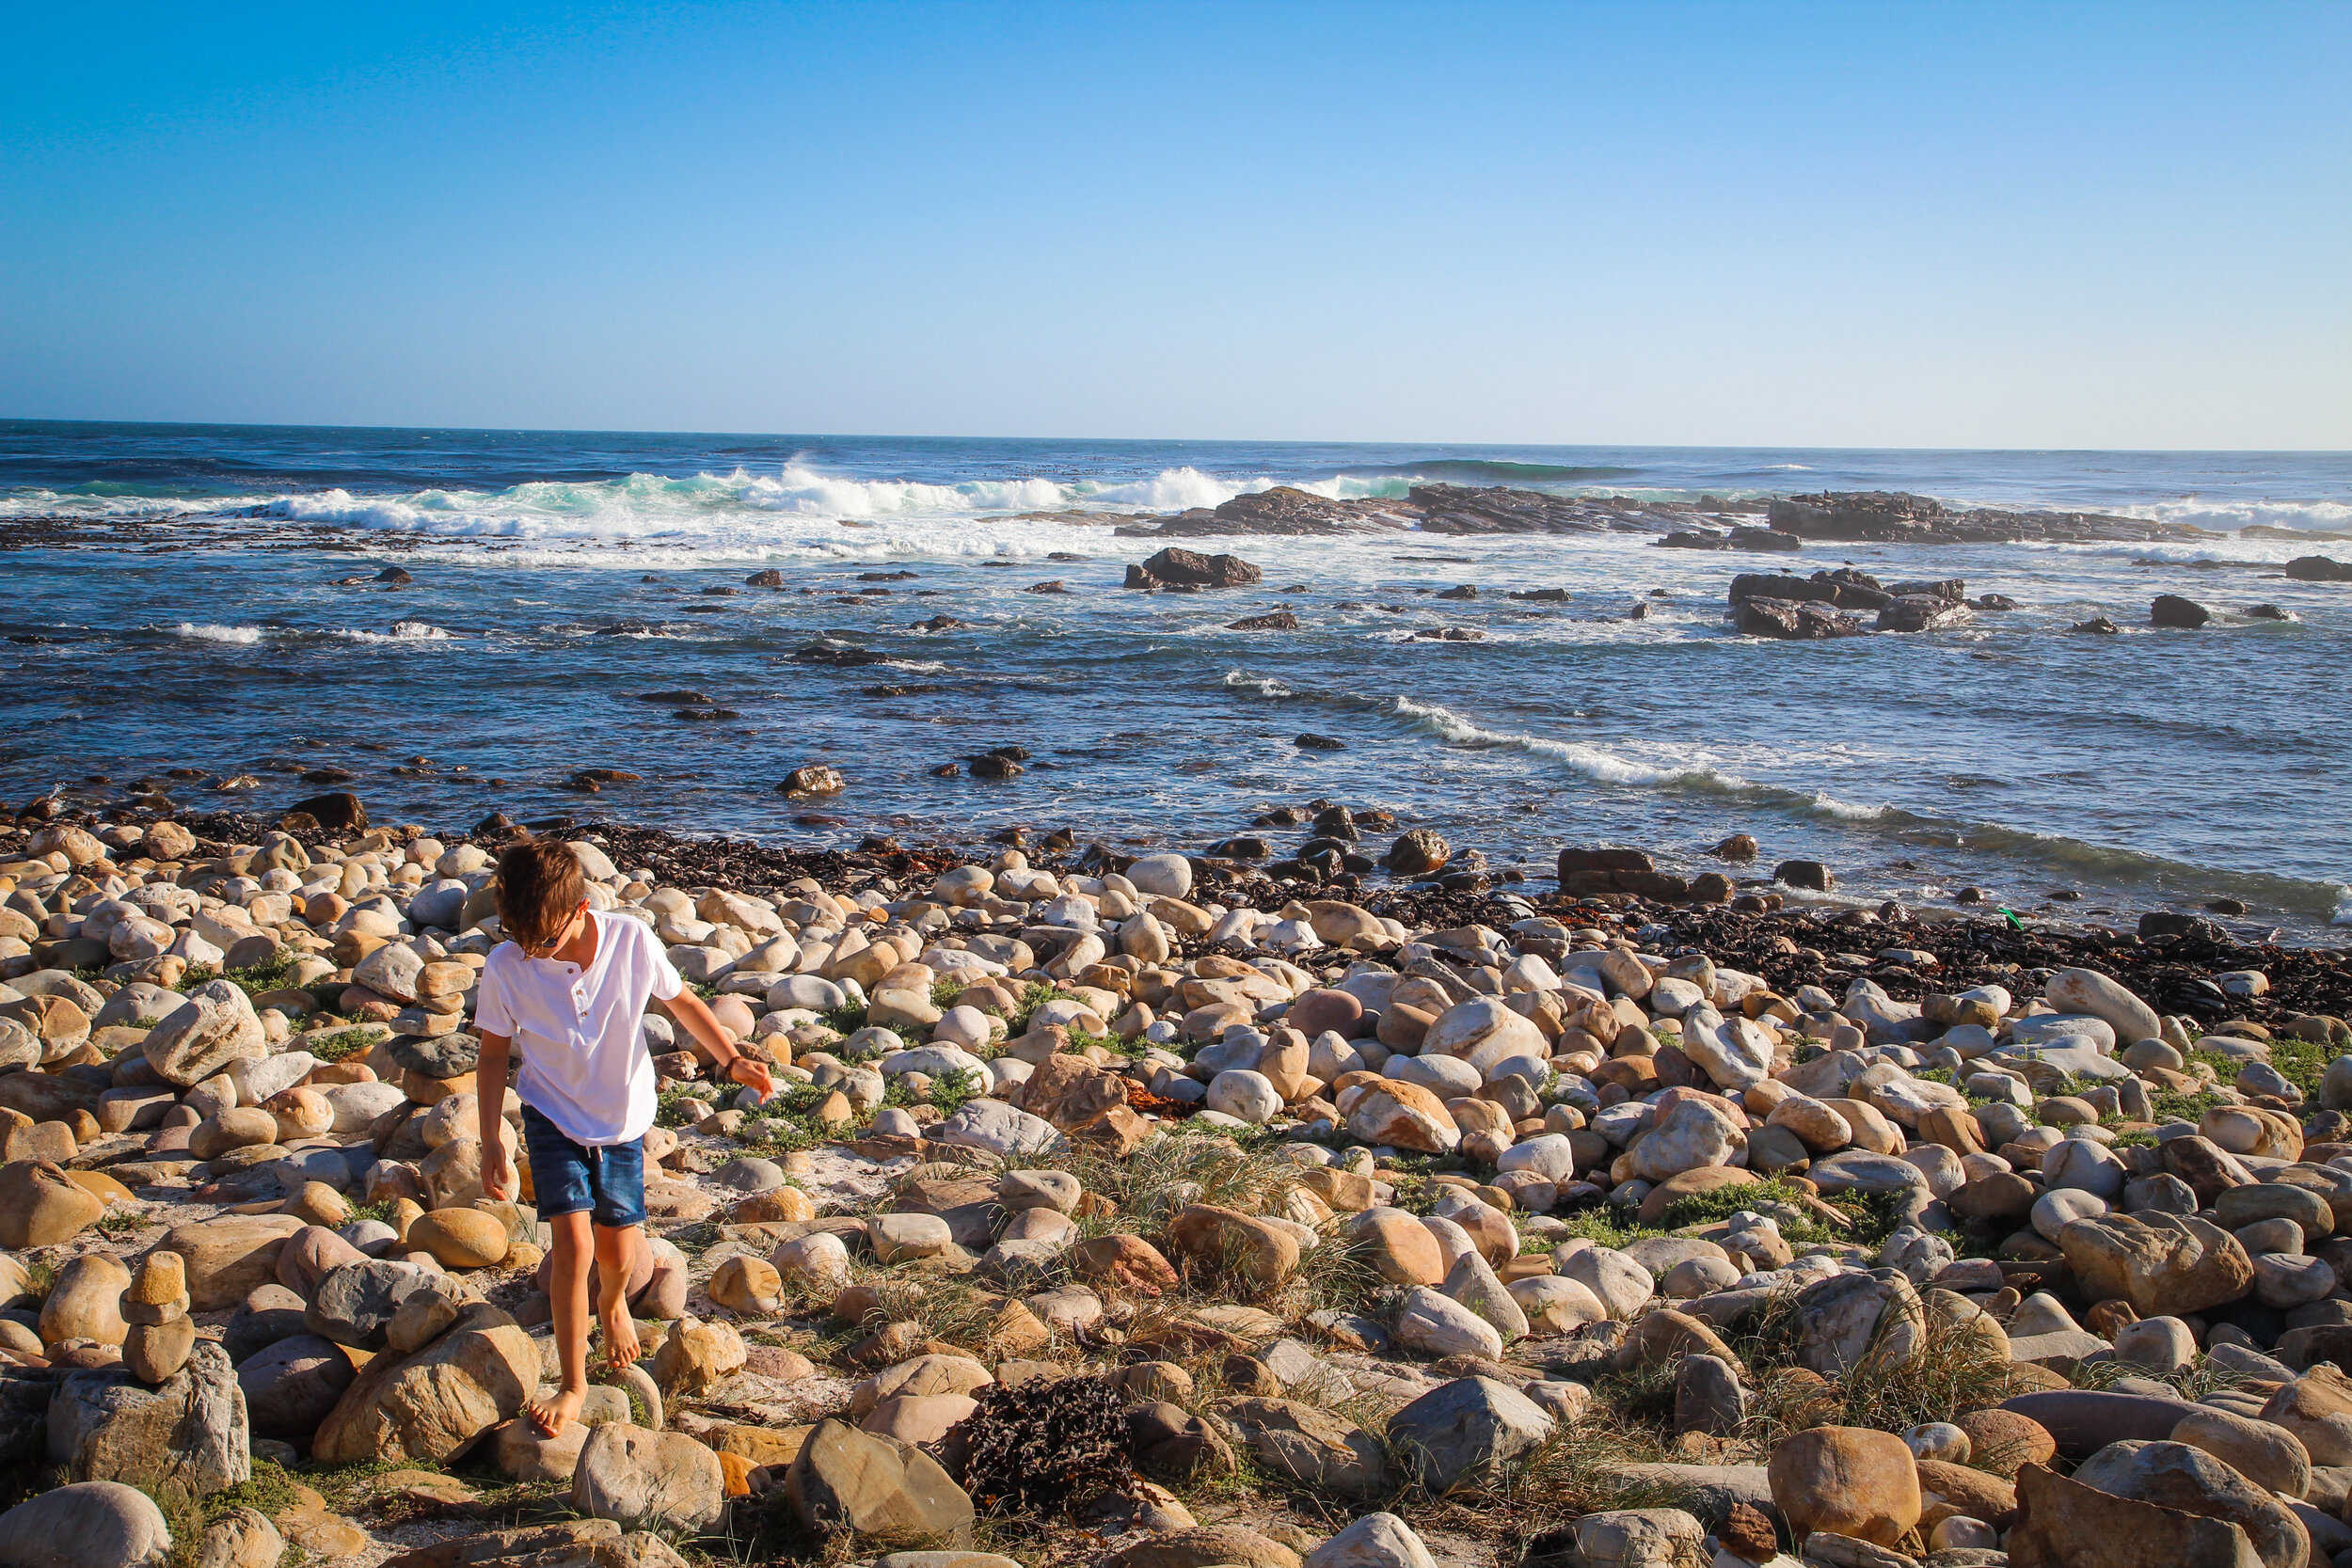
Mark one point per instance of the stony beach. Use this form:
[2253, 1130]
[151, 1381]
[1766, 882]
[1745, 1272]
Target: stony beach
[1355, 1209]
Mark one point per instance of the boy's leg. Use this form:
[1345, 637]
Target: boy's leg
[616, 1258]
[568, 1295]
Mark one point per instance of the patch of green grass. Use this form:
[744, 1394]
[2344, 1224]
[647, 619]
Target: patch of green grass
[950, 1089]
[678, 1108]
[119, 1222]
[269, 1491]
[380, 1210]
[342, 1044]
[846, 1020]
[252, 981]
[1033, 997]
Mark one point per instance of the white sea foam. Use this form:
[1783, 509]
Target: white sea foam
[402, 631]
[1591, 761]
[1848, 811]
[743, 512]
[33, 502]
[399, 631]
[205, 631]
[2231, 515]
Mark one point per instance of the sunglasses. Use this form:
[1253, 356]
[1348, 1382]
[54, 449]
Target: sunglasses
[540, 950]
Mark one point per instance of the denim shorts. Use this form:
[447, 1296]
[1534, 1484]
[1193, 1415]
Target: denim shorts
[606, 1183]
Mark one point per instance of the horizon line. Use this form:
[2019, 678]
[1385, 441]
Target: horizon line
[1174, 440]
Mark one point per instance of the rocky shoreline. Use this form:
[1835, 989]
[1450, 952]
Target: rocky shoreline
[1707, 523]
[1162, 1211]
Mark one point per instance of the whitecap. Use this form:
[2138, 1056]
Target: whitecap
[206, 631]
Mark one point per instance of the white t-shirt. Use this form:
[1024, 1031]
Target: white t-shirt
[579, 1050]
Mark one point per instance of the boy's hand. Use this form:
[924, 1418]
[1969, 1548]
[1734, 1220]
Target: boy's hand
[752, 1075]
[498, 1174]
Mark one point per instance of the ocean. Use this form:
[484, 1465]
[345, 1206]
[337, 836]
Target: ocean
[175, 601]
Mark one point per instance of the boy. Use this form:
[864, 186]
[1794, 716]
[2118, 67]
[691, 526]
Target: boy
[569, 987]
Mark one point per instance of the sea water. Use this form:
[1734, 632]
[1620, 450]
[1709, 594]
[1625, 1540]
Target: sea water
[559, 575]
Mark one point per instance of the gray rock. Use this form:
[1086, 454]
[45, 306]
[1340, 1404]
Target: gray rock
[749, 1174]
[214, 1025]
[189, 1433]
[1849, 1318]
[291, 1385]
[135, 1000]
[356, 1303]
[2173, 1475]
[440, 903]
[1309, 1446]
[1374, 1541]
[999, 1129]
[443, 1056]
[1467, 1431]
[2084, 1420]
[1436, 1325]
[1710, 1491]
[2086, 991]
[92, 1524]
[648, 1479]
[268, 1314]
[1640, 1538]
[1707, 1396]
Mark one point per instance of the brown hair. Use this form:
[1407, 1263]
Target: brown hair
[539, 886]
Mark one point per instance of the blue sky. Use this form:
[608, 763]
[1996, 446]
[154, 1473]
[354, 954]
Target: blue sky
[1890, 223]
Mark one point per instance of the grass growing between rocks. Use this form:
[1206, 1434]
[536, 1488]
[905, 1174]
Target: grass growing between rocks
[252, 981]
[342, 1044]
[1953, 1370]
[1579, 1470]
[269, 1491]
[1169, 1172]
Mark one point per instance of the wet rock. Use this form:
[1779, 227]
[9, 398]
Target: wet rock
[1177, 567]
[1789, 621]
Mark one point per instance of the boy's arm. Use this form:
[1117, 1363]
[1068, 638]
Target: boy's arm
[692, 1011]
[498, 1170]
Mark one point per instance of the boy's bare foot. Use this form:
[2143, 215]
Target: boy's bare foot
[552, 1415]
[621, 1346]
